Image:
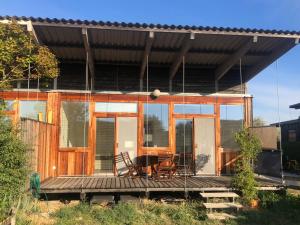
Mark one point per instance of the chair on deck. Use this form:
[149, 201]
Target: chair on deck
[118, 164]
[133, 169]
[184, 164]
[165, 166]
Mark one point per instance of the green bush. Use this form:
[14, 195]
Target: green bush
[268, 198]
[244, 178]
[12, 165]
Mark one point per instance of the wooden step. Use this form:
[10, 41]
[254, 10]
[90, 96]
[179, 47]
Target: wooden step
[222, 205]
[219, 195]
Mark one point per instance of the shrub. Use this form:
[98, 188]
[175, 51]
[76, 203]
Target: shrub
[244, 179]
[12, 164]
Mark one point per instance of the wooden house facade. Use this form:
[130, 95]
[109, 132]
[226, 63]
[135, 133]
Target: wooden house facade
[143, 88]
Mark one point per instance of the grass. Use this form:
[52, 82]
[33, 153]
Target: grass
[275, 210]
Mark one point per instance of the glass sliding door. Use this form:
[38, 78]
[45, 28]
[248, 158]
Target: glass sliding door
[184, 142]
[105, 145]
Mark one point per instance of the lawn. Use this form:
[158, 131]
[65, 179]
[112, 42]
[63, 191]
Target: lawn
[276, 209]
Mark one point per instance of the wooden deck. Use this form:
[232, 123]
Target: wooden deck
[121, 184]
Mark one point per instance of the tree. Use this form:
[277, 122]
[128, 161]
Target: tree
[22, 58]
[258, 122]
[244, 179]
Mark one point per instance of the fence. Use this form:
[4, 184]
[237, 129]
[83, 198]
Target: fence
[40, 139]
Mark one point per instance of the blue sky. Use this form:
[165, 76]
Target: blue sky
[269, 14]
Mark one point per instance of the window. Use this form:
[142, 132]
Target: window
[156, 125]
[184, 136]
[193, 109]
[33, 110]
[116, 107]
[232, 117]
[292, 135]
[74, 124]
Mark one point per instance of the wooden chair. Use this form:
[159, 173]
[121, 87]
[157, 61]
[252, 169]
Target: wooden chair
[184, 164]
[133, 169]
[165, 166]
[118, 161]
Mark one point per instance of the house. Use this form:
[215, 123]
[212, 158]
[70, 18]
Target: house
[290, 136]
[147, 89]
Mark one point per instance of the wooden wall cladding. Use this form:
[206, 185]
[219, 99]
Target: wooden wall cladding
[72, 163]
[38, 136]
[228, 160]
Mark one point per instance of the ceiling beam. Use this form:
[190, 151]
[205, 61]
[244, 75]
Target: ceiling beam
[89, 54]
[186, 45]
[233, 59]
[277, 53]
[155, 49]
[147, 50]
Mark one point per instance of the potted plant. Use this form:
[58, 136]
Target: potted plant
[244, 178]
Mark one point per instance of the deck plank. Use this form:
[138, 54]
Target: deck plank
[128, 184]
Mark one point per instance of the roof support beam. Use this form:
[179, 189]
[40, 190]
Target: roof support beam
[89, 55]
[186, 45]
[147, 51]
[278, 52]
[231, 60]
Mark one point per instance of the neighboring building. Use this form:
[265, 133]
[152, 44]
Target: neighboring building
[290, 130]
[101, 104]
[290, 138]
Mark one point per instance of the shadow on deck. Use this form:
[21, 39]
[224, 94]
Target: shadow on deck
[93, 184]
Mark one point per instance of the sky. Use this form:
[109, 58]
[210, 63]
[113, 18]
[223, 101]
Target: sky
[282, 77]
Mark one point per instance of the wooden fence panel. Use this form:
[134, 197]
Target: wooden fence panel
[38, 137]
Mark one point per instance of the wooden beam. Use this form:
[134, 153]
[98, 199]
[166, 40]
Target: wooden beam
[148, 45]
[278, 52]
[89, 55]
[31, 30]
[184, 49]
[231, 60]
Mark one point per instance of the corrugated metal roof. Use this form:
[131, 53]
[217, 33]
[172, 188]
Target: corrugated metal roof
[145, 25]
[125, 42]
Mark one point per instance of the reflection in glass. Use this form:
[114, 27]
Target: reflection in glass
[184, 136]
[232, 117]
[9, 105]
[115, 107]
[74, 124]
[194, 109]
[105, 144]
[33, 110]
[156, 125]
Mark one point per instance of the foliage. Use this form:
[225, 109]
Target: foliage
[13, 168]
[20, 54]
[129, 213]
[268, 198]
[244, 179]
[285, 211]
[258, 122]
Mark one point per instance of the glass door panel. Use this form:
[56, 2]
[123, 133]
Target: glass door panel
[105, 145]
[184, 142]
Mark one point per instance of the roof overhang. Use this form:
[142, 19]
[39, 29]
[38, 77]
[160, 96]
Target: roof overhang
[219, 48]
[295, 106]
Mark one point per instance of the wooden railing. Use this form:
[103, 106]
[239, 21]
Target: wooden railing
[40, 140]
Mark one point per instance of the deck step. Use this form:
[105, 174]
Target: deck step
[219, 195]
[222, 205]
[220, 216]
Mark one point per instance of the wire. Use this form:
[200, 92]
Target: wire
[279, 121]
[147, 121]
[184, 125]
[242, 91]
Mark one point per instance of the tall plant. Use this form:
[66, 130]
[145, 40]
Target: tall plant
[13, 166]
[244, 179]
